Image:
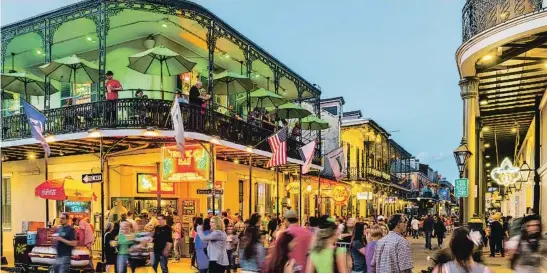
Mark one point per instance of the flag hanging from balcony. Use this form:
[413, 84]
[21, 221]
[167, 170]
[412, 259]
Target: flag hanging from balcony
[306, 154]
[337, 162]
[278, 144]
[37, 122]
[178, 126]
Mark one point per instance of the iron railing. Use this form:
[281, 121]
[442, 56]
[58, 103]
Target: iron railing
[145, 113]
[481, 15]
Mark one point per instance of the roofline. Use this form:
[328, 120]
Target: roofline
[339, 98]
[179, 3]
[361, 121]
[399, 147]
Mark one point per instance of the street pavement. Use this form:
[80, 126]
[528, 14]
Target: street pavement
[419, 256]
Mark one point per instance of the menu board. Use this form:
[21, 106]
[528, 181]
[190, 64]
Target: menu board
[188, 210]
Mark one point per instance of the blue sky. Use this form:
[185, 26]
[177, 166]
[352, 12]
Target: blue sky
[394, 60]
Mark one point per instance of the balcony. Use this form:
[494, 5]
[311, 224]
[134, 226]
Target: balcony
[142, 114]
[359, 174]
[481, 15]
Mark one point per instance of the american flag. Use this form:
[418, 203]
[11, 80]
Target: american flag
[278, 143]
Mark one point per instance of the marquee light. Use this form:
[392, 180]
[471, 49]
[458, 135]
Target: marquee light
[506, 174]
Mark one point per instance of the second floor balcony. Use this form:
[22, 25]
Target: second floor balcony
[481, 15]
[144, 114]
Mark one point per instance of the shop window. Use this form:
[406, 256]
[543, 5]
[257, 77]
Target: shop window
[74, 94]
[261, 199]
[11, 106]
[6, 203]
[241, 186]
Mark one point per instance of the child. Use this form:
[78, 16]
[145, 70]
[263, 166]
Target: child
[231, 246]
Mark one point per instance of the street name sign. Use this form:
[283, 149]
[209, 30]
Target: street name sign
[92, 178]
[208, 191]
[460, 189]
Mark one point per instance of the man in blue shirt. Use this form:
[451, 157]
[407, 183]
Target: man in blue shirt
[65, 240]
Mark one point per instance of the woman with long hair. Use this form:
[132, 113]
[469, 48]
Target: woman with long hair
[216, 245]
[462, 245]
[325, 257]
[200, 245]
[109, 251]
[358, 248]
[252, 252]
[278, 261]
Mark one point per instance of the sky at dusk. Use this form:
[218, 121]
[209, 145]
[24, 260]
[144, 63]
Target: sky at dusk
[394, 59]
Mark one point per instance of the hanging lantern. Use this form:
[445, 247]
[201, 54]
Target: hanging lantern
[525, 172]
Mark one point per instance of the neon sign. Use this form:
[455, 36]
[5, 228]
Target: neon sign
[506, 174]
[194, 166]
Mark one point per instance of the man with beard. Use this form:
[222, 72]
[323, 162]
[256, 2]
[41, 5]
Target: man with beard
[528, 250]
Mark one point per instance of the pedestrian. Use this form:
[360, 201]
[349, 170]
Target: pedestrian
[415, 227]
[239, 225]
[131, 219]
[439, 230]
[428, 231]
[393, 252]
[345, 230]
[216, 245]
[462, 245]
[272, 225]
[375, 233]
[65, 240]
[125, 240]
[278, 261]
[302, 240]
[109, 251]
[358, 249]
[252, 252]
[496, 236]
[177, 240]
[528, 250]
[163, 241]
[231, 247]
[201, 245]
[325, 257]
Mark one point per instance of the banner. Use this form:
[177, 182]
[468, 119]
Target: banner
[193, 167]
[337, 162]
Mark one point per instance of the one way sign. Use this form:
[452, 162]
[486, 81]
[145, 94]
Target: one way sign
[92, 178]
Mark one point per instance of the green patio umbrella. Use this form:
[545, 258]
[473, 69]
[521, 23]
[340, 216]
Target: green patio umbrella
[24, 83]
[264, 98]
[291, 111]
[313, 123]
[227, 83]
[72, 69]
[160, 61]
[6, 95]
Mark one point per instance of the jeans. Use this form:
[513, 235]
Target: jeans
[496, 245]
[62, 264]
[177, 243]
[440, 239]
[121, 263]
[428, 239]
[415, 233]
[216, 268]
[162, 260]
[231, 260]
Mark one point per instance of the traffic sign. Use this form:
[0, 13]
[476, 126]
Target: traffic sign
[460, 190]
[92, 178]
[208, 191]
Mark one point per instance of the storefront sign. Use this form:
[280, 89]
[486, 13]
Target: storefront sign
[92, 178]
[207, 191]
[293, 188]
[194, 166]
[339, 193]
[378, 173]
[188, 208]
[148, 183]
[364, 195]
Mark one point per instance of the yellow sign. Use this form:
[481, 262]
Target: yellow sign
[293, 188]
[339, 193]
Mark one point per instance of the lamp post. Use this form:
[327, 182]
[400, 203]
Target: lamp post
[525, 172]
[462, 155]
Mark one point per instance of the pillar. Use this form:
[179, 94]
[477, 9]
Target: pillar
[211, 45]
[469, 92]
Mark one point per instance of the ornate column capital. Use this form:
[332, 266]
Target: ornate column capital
[469, 87]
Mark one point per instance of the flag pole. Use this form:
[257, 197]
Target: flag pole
[47, 200]
[277, 190]
[300, 201]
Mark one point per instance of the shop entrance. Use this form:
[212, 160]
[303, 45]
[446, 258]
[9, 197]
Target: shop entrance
[138, 204]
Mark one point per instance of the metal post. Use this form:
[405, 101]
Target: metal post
[47, 201]
[211, 44]
[102, 197]
[158, 188]
[277, 190]
[319, 198]
[300, 201]
[212, 174]
[477, 163]
[250, 185]
[537, 146]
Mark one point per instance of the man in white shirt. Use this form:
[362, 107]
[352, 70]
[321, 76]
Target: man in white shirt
[415, 227]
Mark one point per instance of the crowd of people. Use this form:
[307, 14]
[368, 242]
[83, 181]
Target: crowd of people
[271, 244]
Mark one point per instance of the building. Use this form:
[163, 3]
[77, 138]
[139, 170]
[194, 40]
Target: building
[225, 149]
[503, 73]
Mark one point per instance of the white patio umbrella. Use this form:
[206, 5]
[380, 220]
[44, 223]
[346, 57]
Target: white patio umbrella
[72, 69]
[227, 83]
[24, 83]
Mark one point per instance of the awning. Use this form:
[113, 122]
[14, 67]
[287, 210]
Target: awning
[64, 189]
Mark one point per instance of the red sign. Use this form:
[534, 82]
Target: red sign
[194, 166]
[51, 189]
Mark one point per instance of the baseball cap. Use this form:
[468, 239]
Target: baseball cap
[381, 218]
[290, 214]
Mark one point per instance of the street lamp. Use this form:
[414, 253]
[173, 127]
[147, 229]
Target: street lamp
[462, 155]
[525, 172]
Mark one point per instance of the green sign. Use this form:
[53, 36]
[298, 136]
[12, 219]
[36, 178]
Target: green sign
[460, 190]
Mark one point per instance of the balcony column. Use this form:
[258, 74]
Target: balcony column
[249, 59]
[102, 23]
[277, 76]
[348, 160]
[211, 45]
[357, 162]
[300, 92]
[47, 41]
[469, 92]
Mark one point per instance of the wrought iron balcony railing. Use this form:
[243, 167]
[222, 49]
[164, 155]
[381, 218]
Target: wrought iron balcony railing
[480, 15]
[139, 113]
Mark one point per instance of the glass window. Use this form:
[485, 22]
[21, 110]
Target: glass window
[11, 106]
[332, 110]
[6, 203]
[73, 94]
